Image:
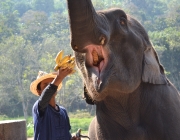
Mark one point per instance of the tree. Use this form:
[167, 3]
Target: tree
[19, 59]
[33, 25]
[21, 7]
[43, 5]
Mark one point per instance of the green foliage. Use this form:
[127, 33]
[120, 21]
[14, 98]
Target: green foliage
[8, 25]
[6, 6]
[30, 129]
[60, 5]
[33, 24]
[16, 61]
[43, 5]
[21, 7]
[80, 114]
[167, 44]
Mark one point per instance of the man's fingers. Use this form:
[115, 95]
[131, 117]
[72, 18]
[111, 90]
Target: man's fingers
[75, 138]
[68, 70]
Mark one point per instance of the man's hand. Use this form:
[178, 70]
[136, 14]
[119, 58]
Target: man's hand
[75, 138]
[61, 74]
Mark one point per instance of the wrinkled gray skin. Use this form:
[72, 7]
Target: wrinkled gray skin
[134, 99]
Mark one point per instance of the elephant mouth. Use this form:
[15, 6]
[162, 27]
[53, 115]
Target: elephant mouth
[96, 59]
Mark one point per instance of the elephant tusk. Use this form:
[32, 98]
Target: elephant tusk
[102, 41]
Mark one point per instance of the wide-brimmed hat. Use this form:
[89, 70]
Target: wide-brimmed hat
[42, 76]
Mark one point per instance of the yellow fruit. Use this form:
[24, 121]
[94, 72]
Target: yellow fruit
[72, 58]
[67, 61]
[71, 65]
[56, 67]
[59, 56]
[64, 60]
[64, 66]
[95, 57]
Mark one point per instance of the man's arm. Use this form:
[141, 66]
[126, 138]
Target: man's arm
[45, 97]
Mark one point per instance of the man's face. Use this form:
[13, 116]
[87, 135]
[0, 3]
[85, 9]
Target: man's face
[44, 84]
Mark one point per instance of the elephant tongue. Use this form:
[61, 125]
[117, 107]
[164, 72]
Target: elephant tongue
[101, 65]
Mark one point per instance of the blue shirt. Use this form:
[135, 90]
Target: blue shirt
[53, 125]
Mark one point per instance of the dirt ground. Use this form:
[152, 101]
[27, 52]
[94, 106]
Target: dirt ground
[30, 138]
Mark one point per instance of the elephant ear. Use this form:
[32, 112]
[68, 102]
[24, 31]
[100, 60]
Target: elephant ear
[153, 71]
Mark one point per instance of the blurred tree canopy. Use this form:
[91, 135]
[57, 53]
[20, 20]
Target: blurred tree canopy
[32, 32]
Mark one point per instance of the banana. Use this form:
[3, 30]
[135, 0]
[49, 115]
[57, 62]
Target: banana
[56, 67]
[65, 65]
[59, 56]
[95, 57]
[72, 65]
[64, 60]
[67, 61]
[69, 64]
[72, 58]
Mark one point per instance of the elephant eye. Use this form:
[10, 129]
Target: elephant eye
[122, 21]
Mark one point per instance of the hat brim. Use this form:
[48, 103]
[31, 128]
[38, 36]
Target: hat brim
[33, 86]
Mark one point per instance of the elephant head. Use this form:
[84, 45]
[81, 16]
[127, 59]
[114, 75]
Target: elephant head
[112, 49]
[122, 75]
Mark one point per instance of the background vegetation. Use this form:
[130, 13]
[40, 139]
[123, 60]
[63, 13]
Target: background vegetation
[32, 32]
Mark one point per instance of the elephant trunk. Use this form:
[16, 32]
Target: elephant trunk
[83, 24]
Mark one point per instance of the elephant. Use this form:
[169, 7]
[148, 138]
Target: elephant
[122, 76]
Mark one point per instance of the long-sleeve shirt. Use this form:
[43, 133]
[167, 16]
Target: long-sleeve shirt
[49, 123]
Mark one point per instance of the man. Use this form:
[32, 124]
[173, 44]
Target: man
[51, 121]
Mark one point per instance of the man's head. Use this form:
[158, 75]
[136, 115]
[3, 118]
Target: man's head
[43, 84]
[42, 80]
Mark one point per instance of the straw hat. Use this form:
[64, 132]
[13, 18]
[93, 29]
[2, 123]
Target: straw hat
[42, 76]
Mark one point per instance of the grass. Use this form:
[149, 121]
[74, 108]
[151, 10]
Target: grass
[82, 123]
[30, 129]
[78, 120]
